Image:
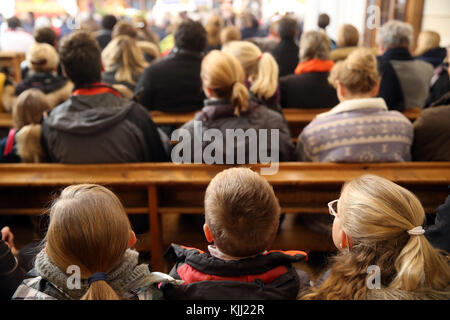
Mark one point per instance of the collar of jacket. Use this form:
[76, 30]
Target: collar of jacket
[208, 264]
[219, 108]
[178, 51]
[314, 65]
[94, 89]
[434, 56]
[397, 54]
[357, 104]
[122, 279]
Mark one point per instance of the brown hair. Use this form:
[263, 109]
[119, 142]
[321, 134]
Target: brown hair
[45, 35]
[223, 74]
[242, 212]
[358, 73]
[348, 36]
[124, 28]
[229, 34]
[88, 228]
[377, 214]
[80, 56]
[213, 27]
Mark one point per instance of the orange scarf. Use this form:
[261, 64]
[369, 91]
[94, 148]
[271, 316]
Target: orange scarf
[314, 65]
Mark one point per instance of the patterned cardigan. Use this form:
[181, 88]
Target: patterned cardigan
[360, 130]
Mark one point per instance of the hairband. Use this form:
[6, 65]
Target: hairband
[417, 231]
[260, 56]
[99, 276]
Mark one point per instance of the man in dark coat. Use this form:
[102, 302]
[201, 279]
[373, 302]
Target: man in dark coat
[287, 51]
[173, 84]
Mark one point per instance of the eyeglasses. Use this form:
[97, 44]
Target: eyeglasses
[332, 207]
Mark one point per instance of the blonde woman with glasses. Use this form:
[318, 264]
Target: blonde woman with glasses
[378, 226]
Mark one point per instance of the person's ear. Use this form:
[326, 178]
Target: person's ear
[346, 241]
[208, 235]
[376, 89]
[132, 240]
[46, 249]
[340, 91]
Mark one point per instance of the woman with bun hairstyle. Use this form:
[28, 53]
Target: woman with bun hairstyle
[89, 231]
[261, 72]
[228, 106]
[378, 226]
[360, 128]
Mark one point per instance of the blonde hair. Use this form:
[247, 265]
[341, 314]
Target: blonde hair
[314, 45]
[242, 212]
[348, 36]
[260, 68]
[124, 56]
[213, 28]
[88, 228]
[27, 114]
[376, 214]
[358, 73]
[223, 74]
[426, 41]
[42, 57]
[229, 34]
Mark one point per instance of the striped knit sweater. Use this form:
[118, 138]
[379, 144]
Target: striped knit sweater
[360, 130]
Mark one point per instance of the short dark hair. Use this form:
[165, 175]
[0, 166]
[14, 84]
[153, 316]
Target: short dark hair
[14, 23]
[80, 56]
[323, 21]
[191, 35]
[287, 28]
[45, 35]
[108, 21]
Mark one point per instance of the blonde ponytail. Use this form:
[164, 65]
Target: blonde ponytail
[265, 81]
[100, 290]
[29, 146]
[260, 68]
[223, 74]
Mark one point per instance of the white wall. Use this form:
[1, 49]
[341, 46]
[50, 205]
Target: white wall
[436, 17]
[340, 12]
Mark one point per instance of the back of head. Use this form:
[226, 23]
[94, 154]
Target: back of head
[377, 212]
[427, 40]
[213, 28]
[323, 21]
[223, 74]
[14, 23]
[190, 35]
[80, 56]
[229, 34]
[123, 56]
[29, 107]
[394, 34]
[124, 28]
[358, 73]
[45, 35]
[42, 57]
[88, 228]
[287, 28]
[242, 212]
[260, 68]
[108, 22]
[314, 45]
[348, 36]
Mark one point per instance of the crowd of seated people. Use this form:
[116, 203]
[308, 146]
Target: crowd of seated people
[106, 82]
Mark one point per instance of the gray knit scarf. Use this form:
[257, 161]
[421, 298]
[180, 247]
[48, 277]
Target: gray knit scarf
[124, 278]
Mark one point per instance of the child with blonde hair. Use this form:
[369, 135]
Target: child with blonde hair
[378, 226]
[23, 143]
[89, 236]
[241, 222]
[261, 71]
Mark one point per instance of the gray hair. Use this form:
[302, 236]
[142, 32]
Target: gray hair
[315, 45]
[395, 33]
